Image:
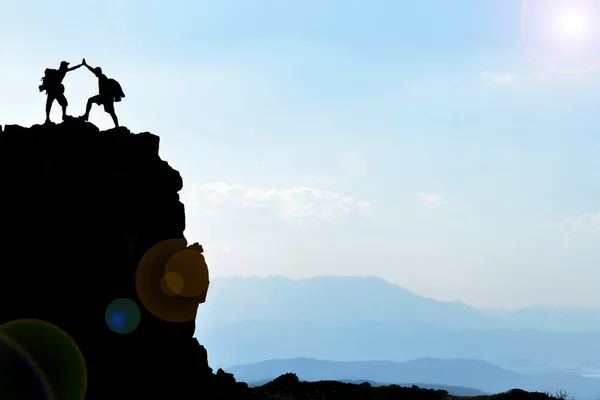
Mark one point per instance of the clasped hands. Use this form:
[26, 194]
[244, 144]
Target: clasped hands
[81, 64]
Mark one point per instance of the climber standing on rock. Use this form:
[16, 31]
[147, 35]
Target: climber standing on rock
[55, 90]
[109, 91]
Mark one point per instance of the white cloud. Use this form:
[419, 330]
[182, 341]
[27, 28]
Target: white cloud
[430, 198]
[293, 204]
[588, 220]
[498, 78]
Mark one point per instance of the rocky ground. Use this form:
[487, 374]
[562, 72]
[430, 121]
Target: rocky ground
[288, 387]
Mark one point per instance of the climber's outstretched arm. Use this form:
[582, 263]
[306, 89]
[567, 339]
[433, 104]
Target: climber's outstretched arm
[74, 68]
[92, 70]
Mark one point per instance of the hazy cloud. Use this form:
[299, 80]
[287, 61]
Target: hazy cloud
[498, 78]
[589, 220]
[430, 198]
[297, 203]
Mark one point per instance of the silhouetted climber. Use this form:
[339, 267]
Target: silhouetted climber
[109, 91]
[55, 90]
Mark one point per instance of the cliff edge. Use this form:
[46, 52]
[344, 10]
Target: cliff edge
[79, 209]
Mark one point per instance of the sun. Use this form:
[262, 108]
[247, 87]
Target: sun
[562, 35]
[572, 24]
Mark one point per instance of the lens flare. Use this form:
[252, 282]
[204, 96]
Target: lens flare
[54, 360]
[172, 280]
[21, 376]
[122, 316]
[562, 35]
[572, 24]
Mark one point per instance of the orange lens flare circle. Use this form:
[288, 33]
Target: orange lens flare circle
[172, 280]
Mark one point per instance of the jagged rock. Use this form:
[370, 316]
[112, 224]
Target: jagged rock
[79, 208]
[288, 386]
[224, 378]
[519, 394]
[227, 388]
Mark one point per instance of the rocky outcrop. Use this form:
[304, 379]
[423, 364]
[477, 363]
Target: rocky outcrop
[288, 386]
[79, 208]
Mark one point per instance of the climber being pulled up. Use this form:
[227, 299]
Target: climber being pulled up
[109, 91]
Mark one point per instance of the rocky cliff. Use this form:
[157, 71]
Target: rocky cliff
[79, 209]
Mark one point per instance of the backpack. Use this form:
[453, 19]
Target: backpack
[115, 90]
[50, 78]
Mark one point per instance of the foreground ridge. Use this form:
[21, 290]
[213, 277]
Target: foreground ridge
[288, 386]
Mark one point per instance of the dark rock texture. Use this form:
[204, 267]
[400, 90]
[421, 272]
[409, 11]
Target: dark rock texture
[79, 208]
[288, 387]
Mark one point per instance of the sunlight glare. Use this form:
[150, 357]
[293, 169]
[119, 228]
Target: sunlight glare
[562, 35]
[572, 24]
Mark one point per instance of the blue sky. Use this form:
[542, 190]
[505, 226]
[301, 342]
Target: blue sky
[416, 141]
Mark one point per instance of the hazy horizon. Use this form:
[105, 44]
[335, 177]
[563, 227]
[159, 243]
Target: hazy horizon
[369, 323]
[540, 306]
[418, 142]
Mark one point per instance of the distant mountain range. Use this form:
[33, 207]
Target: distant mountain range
[457, 376]
[348, 300]
[248, 320]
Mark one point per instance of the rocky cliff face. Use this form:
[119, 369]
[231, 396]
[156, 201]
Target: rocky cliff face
[79, 208]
